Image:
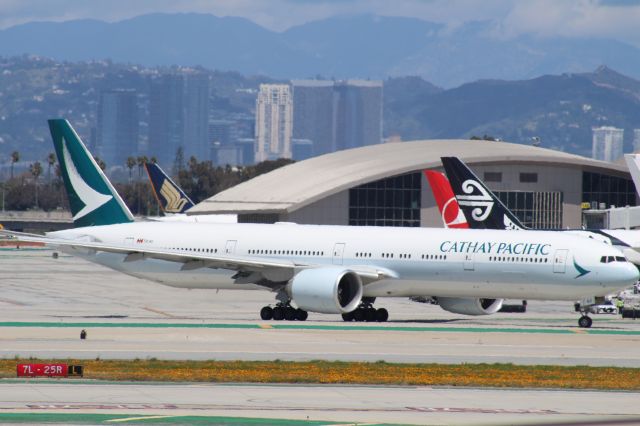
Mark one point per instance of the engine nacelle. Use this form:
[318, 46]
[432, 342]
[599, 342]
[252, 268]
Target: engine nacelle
[326, 290]
[466, 306]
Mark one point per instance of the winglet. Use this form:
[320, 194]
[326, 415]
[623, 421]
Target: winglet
[92, 198]
[452, 216]
[170, 196]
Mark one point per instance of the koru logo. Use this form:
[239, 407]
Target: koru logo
[508, 224]
[482, 203]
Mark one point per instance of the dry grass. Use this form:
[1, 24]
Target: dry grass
[491, 375]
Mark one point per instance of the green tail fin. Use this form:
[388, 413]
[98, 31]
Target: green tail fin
[92, 198]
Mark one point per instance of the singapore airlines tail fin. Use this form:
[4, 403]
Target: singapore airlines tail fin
[482, 208]
[92, 198]
[171, 198]
[452, 216]
[633, 161]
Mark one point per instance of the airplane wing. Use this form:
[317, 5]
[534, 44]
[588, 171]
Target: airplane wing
[251, 268]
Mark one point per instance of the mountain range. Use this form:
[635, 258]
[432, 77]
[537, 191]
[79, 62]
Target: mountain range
[360, 46]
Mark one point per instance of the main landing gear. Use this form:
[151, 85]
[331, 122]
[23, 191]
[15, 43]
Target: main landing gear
[366, 312]
[283, 312]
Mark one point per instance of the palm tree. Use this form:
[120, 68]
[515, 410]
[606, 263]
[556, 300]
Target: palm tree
[131, 163]
[141, 160]
[36, 171]
[15, 157]
[51, 160]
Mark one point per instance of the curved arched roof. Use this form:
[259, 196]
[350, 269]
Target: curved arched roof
[294, 186]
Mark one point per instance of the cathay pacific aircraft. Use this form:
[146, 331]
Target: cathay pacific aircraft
[328, 269]
[484, 210]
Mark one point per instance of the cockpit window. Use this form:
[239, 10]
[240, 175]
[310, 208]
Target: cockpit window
[609, 259]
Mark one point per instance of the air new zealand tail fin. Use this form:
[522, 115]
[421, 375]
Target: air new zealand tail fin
[481, 207]
[171, 198]
[92, 198]
[452, 216]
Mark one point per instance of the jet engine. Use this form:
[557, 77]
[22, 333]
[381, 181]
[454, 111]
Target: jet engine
[467, 306]
[326, 290]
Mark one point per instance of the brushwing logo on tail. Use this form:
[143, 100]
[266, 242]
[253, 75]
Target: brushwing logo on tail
[91, 198]
[482, 203]
[175, 203]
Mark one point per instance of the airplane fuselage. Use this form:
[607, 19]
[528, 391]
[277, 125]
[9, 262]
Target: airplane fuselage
[414, 261]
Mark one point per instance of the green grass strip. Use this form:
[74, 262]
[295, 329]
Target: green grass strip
[352, 373]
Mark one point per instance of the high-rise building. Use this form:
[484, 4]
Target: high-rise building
[337, 115]
[166, 118]
[636, 140]
[116, 136]
[313, 113]
[196, 116]
[358, 113]
[607, 143]
[274, 115]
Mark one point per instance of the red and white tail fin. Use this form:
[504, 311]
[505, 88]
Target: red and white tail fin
[452, 215]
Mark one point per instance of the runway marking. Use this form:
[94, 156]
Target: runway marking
[129, 419]
[95, 418]
[259, 326]
[158, 311]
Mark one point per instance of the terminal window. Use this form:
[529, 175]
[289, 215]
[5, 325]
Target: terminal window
[493, 176]
[528, 177]
[601, 190]
[535, 209]
[393, 201]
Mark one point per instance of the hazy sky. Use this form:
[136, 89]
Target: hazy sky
[619, 19]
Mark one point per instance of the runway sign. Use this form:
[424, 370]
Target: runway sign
[48, 370]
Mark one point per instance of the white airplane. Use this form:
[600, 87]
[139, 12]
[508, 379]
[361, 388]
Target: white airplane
[482, 209]
[329, 269]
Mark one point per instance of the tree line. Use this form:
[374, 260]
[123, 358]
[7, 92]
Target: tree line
[199, 179]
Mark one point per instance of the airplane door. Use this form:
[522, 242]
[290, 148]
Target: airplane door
[338, 252]
[128, 241]
[469, 262]
[560, 261]
[230, 247]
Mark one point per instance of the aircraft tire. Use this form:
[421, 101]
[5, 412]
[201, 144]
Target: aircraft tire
[370, 315]
[266, 313]
[359, 315]
[278, 313]
[301, 315]
[382, 315]
[585, 322]
[289, 313]
[348, 317]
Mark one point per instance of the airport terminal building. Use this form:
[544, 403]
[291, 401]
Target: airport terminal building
[384, 185]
